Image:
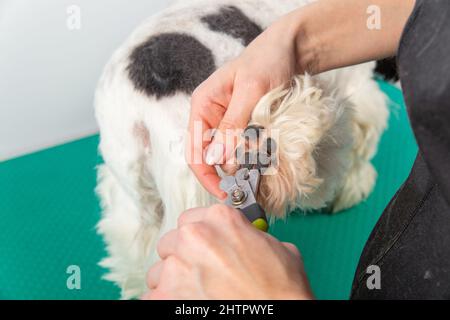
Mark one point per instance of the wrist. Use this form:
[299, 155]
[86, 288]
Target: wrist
[306, 46]
[325, 32]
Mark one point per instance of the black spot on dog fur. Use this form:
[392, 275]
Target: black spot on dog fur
[169, 63]
[233, 22]
[387, 68]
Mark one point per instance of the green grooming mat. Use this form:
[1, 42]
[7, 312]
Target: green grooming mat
[48, 213]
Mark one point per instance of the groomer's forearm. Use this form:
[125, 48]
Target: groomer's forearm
[337, 33]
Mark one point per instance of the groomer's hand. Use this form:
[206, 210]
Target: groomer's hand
[227, 98]
[215, 253]
[317, 37]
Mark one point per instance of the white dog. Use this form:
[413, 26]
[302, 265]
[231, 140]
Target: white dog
[329, 126]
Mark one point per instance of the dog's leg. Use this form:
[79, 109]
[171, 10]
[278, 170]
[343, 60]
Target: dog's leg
[177, 186]
[369, 121]
[132, 210]
[328, 128]
[132, 207]
[127, 231]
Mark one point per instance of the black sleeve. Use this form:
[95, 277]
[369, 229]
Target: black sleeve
[411, 239]
[424, 69]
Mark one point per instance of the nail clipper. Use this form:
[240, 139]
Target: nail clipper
[242, 189]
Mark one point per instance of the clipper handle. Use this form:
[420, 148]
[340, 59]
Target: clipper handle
[256, 215]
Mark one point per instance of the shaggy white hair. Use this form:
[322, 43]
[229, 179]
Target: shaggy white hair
[329, 129]
[324, 150]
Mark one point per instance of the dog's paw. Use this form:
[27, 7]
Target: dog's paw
[312, 130]
[357, 187]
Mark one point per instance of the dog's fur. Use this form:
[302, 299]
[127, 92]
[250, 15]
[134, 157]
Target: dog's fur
[329, 126]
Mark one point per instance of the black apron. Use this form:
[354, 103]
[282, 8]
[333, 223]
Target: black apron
[411, 242]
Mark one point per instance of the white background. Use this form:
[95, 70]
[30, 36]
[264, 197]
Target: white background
[48, 73]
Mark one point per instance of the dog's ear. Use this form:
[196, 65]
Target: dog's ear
[313, 134]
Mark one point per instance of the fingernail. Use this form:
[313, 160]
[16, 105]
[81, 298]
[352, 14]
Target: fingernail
[214, 153]
[222, 196]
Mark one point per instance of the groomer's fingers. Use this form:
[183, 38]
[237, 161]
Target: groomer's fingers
[153, 275]
[146, 296]
[246, 95]
[191, 216]
[154, 295]
[167, 244]
[197, 142]
[207, 109]
[292, 248]
[207, 175]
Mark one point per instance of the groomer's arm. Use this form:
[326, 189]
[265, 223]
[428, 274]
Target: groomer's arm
[215, 253]
[337, 33]
[318, 37]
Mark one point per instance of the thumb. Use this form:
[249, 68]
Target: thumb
[236, 118]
